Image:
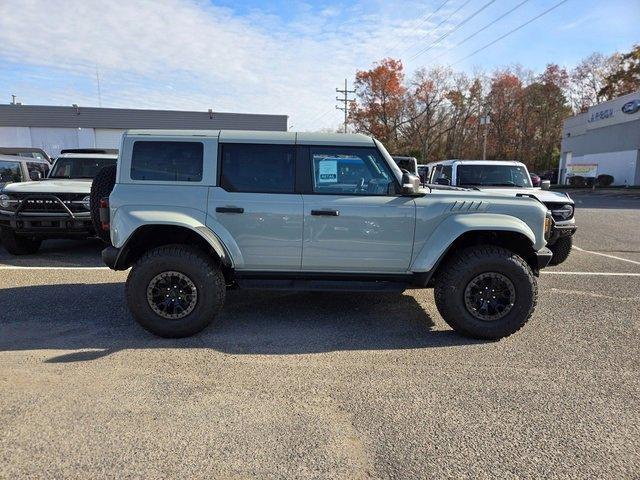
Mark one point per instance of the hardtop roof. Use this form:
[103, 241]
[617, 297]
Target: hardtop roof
[475, 162]
[251, 136]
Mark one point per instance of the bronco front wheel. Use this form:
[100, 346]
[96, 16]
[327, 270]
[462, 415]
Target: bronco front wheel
[486, 292]
[175, 291]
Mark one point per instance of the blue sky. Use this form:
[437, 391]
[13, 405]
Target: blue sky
[276, 57]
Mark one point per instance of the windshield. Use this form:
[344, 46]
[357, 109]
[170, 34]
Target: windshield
[79, 167]
[493, 176]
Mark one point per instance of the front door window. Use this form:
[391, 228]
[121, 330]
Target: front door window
[350, 171]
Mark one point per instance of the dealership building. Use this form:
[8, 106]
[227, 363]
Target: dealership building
[604, 140]
[53, 128]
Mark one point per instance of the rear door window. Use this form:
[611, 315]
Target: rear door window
[167, 161]
[257, 168]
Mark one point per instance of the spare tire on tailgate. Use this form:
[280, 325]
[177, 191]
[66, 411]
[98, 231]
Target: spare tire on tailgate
[101, 187]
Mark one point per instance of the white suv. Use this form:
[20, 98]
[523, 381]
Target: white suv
[513, 179]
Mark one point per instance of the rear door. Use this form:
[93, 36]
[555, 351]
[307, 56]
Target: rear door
[255, 201]
[353, 219]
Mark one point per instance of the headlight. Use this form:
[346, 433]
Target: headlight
[86, 202]
[548, 225]
[563, 213]
[5, 201]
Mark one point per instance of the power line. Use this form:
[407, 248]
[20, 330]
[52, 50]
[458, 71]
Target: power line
[456, 27]
[345, 99]
[511, 31]
[318, 117]
[482, 29]
[464, 4]
[415, 28]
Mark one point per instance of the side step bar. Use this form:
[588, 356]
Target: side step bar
[321, 285]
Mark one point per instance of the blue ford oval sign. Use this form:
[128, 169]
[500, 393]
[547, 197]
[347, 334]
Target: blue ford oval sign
[631, 107]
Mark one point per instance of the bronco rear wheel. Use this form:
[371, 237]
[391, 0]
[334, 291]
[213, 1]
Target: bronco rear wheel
[486, 292]
[101, 187]
[175, 291]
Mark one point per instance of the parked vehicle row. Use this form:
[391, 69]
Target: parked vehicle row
[53, 205]
[194, 214]
[21, 169]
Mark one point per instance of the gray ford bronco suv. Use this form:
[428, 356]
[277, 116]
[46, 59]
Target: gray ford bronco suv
[194, 213]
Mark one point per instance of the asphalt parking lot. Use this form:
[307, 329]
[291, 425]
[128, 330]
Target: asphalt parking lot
[325, 385]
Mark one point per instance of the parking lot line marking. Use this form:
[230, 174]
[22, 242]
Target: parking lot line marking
[605, 255]
[602, 274]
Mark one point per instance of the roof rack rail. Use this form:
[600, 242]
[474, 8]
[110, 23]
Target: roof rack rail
[89, 150]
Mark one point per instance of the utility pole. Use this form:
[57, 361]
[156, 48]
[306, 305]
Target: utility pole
[485, 120]
[345, 100]
[13, 99]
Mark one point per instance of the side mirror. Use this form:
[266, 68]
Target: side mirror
[410, 184]
[545, 184]
[35, 175]
[443, 181]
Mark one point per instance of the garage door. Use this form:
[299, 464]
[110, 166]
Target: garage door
[108, 137]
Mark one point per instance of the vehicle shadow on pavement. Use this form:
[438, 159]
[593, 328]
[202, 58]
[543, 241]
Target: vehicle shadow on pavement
[257, 323]
[59, 253]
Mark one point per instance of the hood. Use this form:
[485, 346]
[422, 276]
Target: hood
[58, 185]
[543, 195]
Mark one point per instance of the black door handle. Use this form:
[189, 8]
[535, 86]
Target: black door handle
[326, 213]
[229, 210]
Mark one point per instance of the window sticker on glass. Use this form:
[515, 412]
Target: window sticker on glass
[328, 170]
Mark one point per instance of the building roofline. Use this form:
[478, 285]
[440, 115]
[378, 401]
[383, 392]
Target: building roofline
[128, 118]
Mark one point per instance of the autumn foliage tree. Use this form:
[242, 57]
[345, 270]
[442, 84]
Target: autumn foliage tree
[381, 101]
[626, 77]
[435, 113]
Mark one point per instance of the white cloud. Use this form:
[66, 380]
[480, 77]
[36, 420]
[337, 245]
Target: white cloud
[194, 55]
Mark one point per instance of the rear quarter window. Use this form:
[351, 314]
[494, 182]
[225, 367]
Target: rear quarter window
[167, 161]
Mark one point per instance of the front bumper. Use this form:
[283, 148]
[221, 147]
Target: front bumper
[48, 226]
[543, 257]
[560, 231]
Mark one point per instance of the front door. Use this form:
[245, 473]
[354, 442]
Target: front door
[353, 220]
[256, 204]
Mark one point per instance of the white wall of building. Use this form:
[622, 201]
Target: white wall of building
[108, 137]
[52, 139]
[620, 165]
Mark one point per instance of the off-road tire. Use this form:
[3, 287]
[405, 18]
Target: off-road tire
[561, 250]
[462, 268]
[101, 187]
[189, 261]
[19, 244]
